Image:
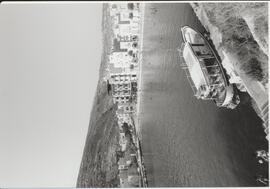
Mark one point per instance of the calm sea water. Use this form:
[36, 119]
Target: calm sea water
[185, 141]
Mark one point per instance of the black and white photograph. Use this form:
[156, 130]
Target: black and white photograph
[126, 94]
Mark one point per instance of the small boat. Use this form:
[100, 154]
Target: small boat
[204, 71]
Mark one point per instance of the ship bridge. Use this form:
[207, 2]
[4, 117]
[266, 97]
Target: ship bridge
[198, 70]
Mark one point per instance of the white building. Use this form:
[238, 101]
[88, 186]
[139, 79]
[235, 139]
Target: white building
[127, 108]
[123, 77]
[120, 59]
[122, 6]
[123, 142]
[113, 9]
[124, 29]
[124, 16]
[128, 29]
[123, 90]
[126, 45]
[123, 118]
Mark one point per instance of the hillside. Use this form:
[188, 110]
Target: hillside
[99, 162]
[241, 29]
[106, 40]
[99, 166]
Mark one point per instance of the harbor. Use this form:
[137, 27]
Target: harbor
[187, 142]
[123, 78]
[135, 94]
[180, 119]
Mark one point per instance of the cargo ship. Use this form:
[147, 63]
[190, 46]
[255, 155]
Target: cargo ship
[204, 71]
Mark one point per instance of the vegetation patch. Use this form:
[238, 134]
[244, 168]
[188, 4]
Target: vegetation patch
[244, 29]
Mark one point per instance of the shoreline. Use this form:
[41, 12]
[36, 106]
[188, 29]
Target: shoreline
[257, 91]
[137, 120]
[140, 74]
[180, 133]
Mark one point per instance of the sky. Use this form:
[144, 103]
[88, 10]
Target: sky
[49, 60]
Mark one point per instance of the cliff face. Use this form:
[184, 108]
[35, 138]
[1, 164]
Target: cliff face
[240, 29]
[99, 166]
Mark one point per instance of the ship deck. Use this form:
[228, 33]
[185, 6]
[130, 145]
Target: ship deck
[197, 66]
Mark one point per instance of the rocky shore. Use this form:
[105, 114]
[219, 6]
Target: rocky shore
[239, 32]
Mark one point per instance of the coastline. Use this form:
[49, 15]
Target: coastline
[169, 133]
[256, 89]
[140, 73]
[187, 142]
[137, 120]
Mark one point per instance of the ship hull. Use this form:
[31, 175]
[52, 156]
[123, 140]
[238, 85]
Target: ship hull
[228, 96]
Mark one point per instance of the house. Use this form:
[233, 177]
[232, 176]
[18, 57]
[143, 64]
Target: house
[124, 29]
[124, 163]
[123, 118]
[123, 142]
[132, 149]
[124, 38]
[124, 17]
[113, 9]
[116, 46]
[122, 7]
[134, 180]
[133, 176]
[127, 108]
[120, 59]
[126, 45]
[114, 70]
[123, 175]
[129, 178]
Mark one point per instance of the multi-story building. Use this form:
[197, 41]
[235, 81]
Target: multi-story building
[127, 37]
[123, 78]
[127, 108]
[128, 29]
[123, 91]
[122, 141]
[123, 118]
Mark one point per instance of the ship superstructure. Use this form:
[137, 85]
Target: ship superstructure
[204, 70]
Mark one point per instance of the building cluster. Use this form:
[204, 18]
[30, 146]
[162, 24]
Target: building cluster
[123, 64]
[128, 163]
[123, 59]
